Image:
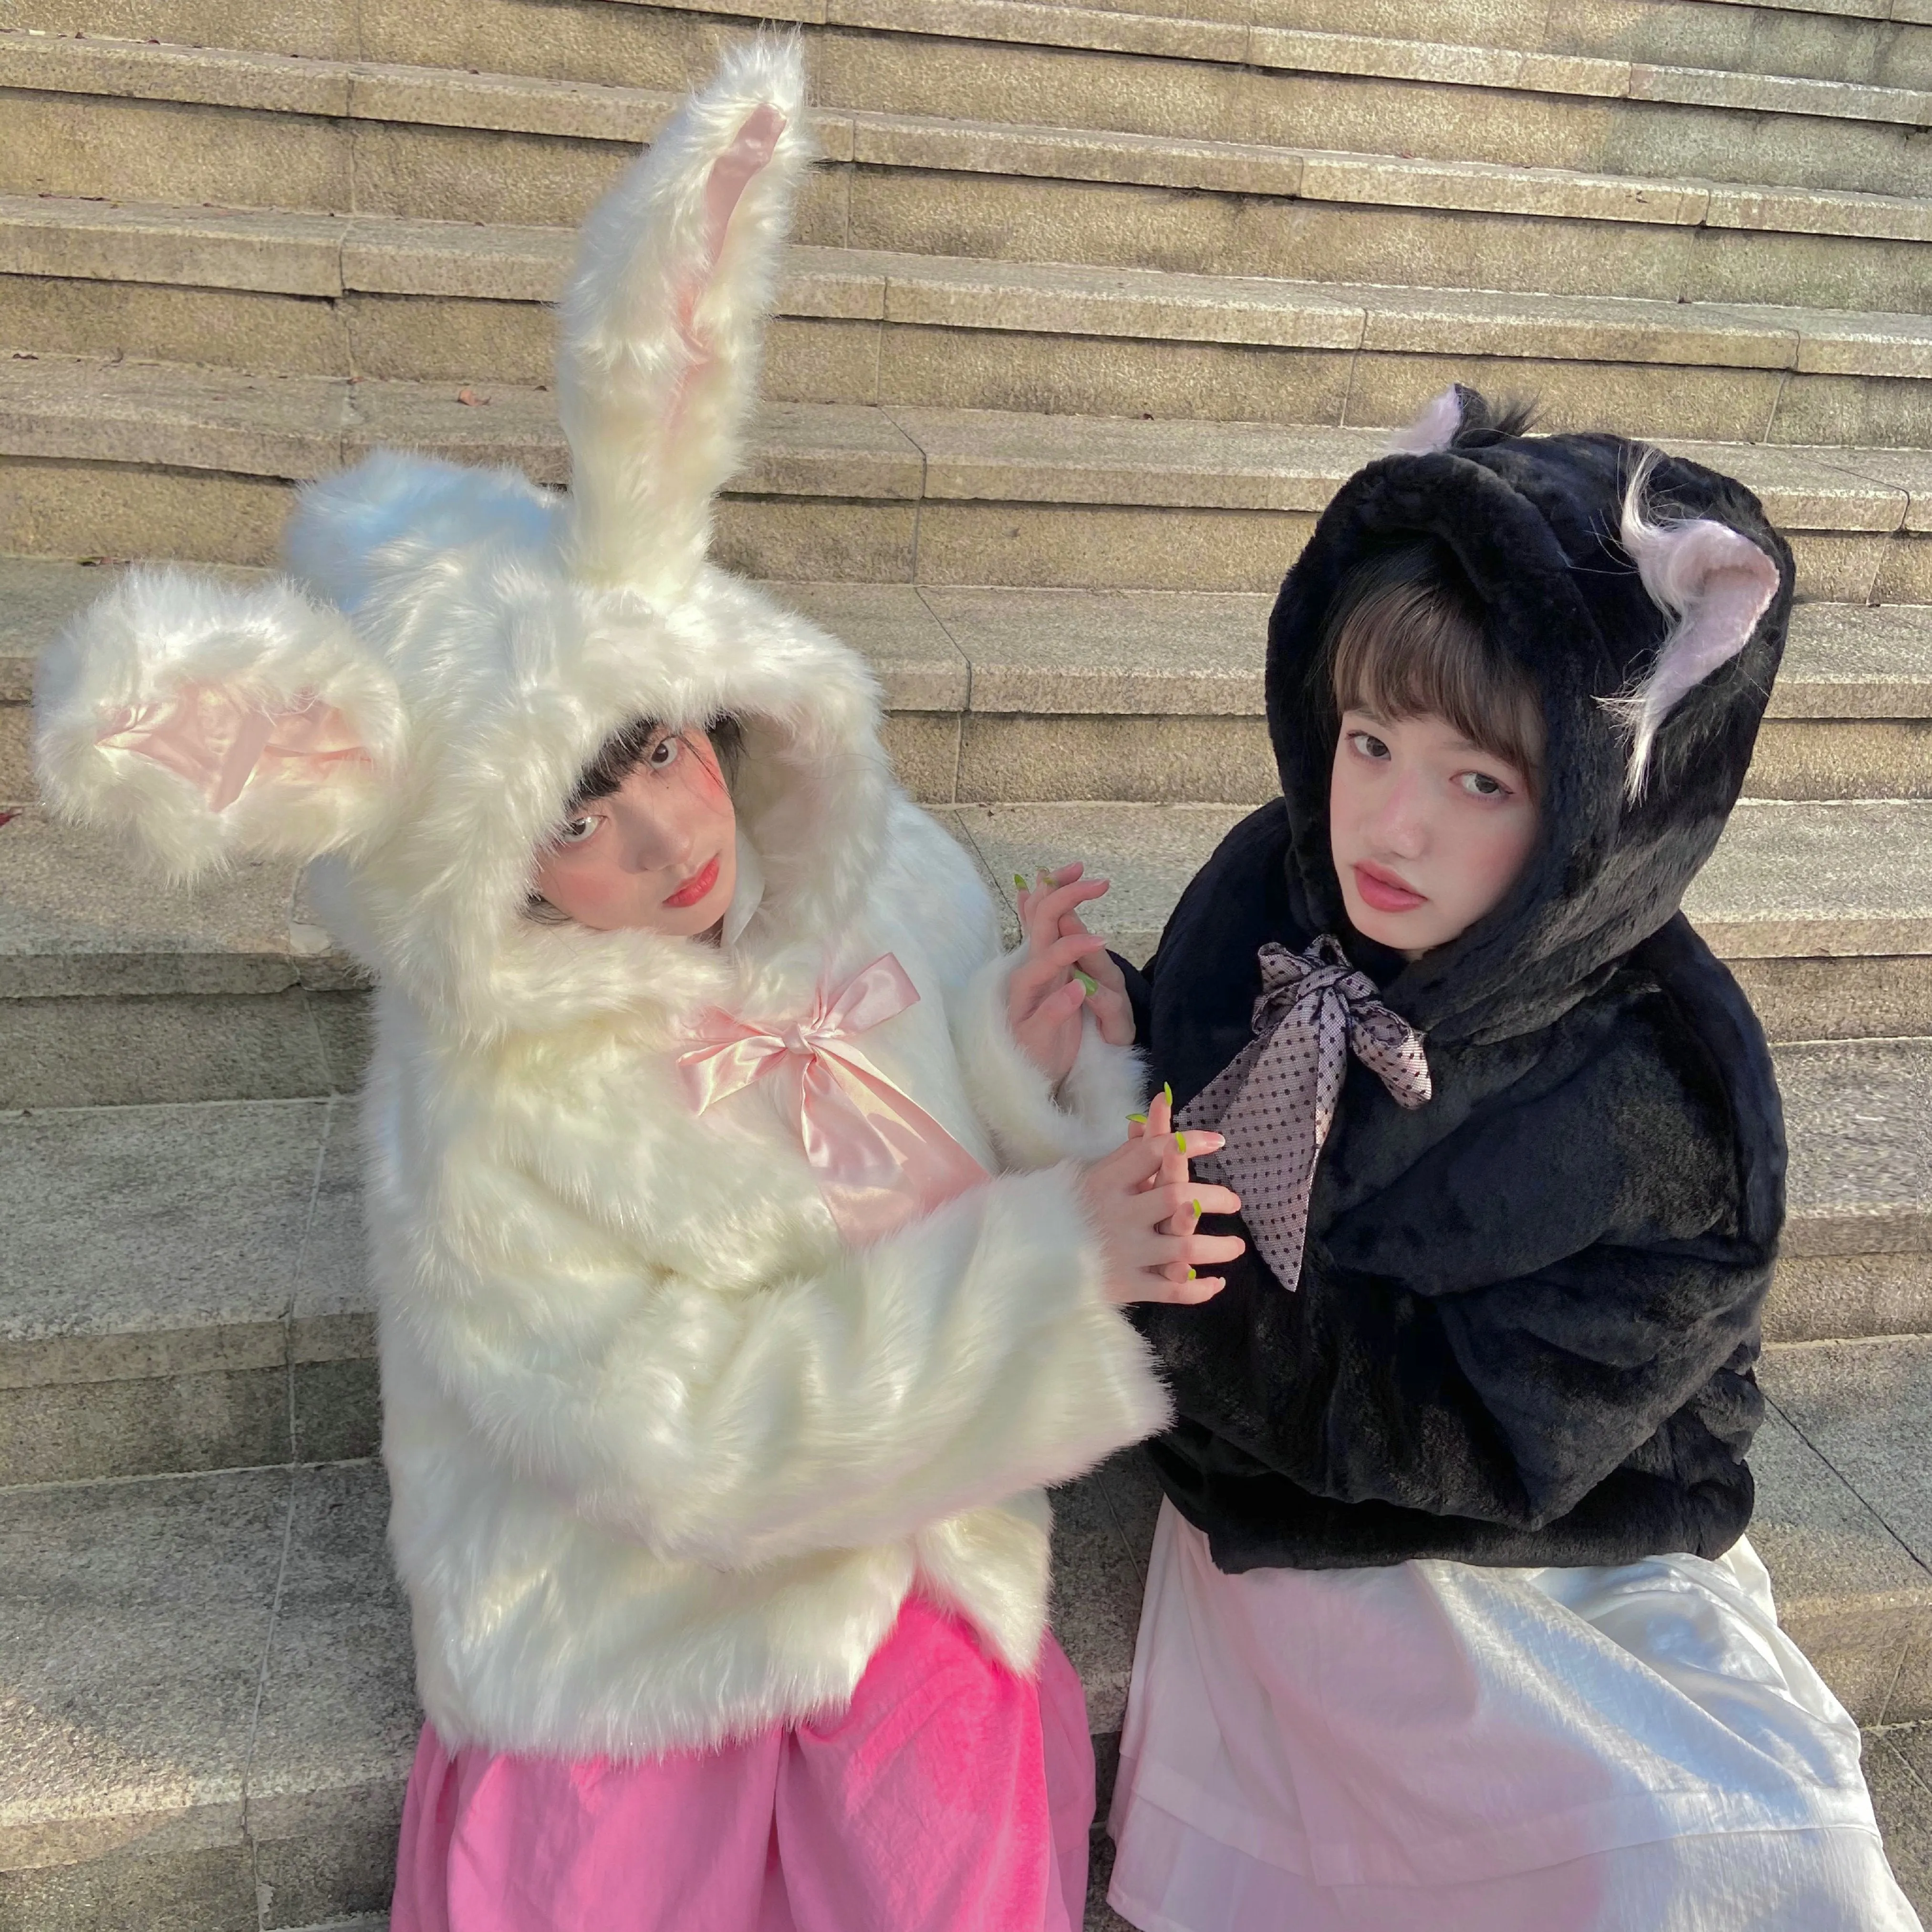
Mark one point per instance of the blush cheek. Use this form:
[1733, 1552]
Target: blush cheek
[1495, 862]
[707, 774]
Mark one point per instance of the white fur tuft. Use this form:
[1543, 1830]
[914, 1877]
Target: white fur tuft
[157, 632]
[664, 320]
[1714, 583]
[392, 512]
[1435, 429]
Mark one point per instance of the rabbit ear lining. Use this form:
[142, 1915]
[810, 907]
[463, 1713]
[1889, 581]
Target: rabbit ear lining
[203, 720]
[664, 318]
[1715, 583]
[750, 153]
[208, 736]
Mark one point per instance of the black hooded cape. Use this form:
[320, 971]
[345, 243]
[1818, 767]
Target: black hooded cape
[1529, 1311]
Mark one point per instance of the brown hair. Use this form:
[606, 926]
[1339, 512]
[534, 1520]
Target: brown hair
[1407, 637]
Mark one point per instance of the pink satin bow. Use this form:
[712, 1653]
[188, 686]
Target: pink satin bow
[211, 738]
[880, 1159]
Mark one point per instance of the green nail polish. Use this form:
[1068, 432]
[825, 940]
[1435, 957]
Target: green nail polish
[1019, 884]
[1192, 1276]
[1197, 1210]
[1180, 1141]
[1139, 1119]
[1167, 1091]
[1087, 980]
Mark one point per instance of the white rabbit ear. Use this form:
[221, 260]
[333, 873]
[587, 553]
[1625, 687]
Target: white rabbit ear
[202, 720]
[1435, 429]
[663, 319]
[1713, 582]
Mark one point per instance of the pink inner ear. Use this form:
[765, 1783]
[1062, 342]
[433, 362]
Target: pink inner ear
[734, 170]
[206, 735]
[1721, 582]
[1435, 429]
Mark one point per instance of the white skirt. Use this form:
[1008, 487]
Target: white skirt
[1636, 1749]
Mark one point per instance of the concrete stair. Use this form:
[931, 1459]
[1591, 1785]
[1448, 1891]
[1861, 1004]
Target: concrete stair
[389, 298]
[1265, 84]
[104, 457]
[1092, 307]
[1870, 42]
[383, 136]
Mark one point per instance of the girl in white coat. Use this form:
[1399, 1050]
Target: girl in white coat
[743, 1272]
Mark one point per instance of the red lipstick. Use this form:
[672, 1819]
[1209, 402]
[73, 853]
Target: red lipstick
[698, 887]
[1383, 891]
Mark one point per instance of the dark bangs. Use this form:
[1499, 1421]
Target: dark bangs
[1407, 637]
[623, 751]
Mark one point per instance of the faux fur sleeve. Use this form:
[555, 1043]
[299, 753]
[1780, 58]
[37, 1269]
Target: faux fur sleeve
[934, 884]
[1035, 1125]
[968, 1357]
[1492, 1335]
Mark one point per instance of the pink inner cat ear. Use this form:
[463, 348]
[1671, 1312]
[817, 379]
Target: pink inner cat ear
[1435, 429]
[209, 737]
[1716, 583]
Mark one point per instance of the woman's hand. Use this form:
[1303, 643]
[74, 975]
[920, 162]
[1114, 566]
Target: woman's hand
[1067, 971]
[1148, 1209]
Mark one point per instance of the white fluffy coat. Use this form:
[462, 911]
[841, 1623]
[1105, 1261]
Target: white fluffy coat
[667, 1453]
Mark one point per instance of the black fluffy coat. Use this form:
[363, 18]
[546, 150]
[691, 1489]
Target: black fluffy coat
[1529, 1311]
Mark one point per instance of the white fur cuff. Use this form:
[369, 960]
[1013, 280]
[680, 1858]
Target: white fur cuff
[1034, 1129]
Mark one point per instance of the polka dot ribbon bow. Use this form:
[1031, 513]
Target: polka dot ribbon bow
[1275, 1101]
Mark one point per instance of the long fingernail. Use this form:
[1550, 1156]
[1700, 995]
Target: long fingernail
[1167, 1091]
[1180, 1141]
[1192, 1276]
[1019, 884]
[1087, 980]
[1139, 1119]
[1196, 1207]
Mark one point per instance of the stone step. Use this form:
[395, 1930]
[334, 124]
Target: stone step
[114, 992]
[998, 62]
[213, 1700]
[1156, 697]
[1866, 41]
[188, 1291]
[283, 292]
[160, 459]
[1869, 42]
[265, 130]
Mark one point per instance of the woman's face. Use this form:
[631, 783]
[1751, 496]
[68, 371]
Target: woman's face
[658, 855]
[1428, 831]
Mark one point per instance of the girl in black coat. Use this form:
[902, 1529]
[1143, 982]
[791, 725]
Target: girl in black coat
[1451, 1622]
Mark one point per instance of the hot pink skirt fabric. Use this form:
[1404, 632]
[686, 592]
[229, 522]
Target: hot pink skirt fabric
[949, 1796]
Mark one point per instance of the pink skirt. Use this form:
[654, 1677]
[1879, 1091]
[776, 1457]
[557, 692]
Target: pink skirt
[949, 1796]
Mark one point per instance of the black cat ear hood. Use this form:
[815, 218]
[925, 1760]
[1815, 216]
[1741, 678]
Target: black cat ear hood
[1647, 598]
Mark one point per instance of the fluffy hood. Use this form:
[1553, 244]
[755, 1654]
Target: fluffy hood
[1647, 598]
[414, 702]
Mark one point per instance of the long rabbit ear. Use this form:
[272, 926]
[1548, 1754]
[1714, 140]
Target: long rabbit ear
[677, 269]
[201, 720]
[1713, 582]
